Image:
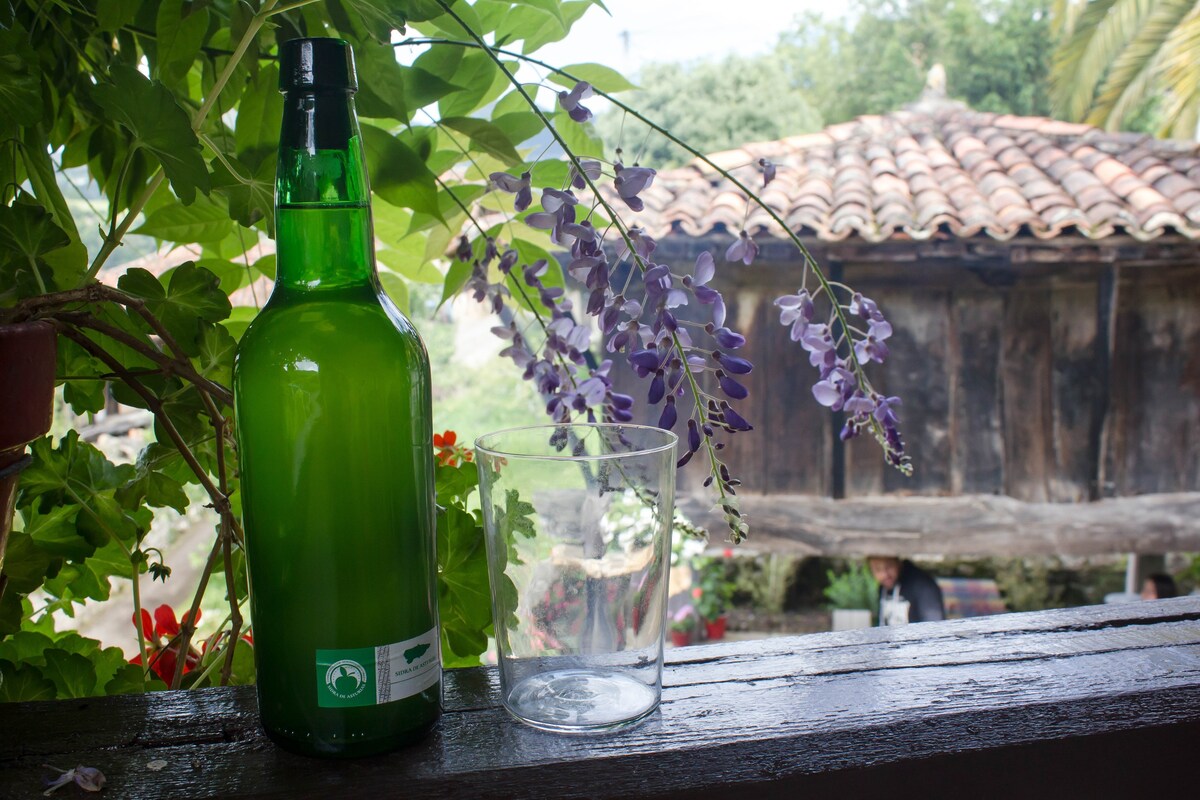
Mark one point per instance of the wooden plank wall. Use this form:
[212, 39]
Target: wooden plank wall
[1002, 380]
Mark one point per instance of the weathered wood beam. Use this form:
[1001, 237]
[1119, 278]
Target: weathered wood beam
[1092, 702]
[972, 525]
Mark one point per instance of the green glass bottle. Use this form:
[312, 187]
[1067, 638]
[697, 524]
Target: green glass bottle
[334, 426]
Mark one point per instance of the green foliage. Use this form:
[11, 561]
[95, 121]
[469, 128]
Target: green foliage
[876, 58]
[854, 589]
[757, 102]
[184, 156]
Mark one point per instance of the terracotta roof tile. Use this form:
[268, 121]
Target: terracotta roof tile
[928, 169]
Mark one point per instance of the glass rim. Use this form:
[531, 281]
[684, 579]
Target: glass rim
[671, 440]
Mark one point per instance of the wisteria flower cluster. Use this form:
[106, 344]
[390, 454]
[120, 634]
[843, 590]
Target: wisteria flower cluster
[842, 385]
[670, 327]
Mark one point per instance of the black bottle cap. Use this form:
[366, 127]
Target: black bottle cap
[315, 65]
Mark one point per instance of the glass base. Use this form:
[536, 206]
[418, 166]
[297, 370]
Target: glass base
[581, 701]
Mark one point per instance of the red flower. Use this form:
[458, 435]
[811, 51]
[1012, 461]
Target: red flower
[163, 656]
[697, 592]
[448, 451]
[727, 552]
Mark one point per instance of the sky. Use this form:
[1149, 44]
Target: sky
[642, 31]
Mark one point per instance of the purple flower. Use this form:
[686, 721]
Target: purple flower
[743, 249]
[884, 413]
[768, 171]
[728, 339]
[464, 251]
[731, 387]
[570, 101]
[698, 283]
[632, 181]
[859, 404]
[865, 307]
[733, 420]
[835, 389]
[872, 348]
[817, 339]
[519, 186]
[643, 245]
[734, 364]
[669, 415]
[591, 169]
[693, 435]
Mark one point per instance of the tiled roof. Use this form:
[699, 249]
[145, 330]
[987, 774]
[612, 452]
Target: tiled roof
[937, 166]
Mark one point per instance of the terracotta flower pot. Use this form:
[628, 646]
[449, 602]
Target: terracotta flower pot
[27, 360]
[681, 638]
[714, 629]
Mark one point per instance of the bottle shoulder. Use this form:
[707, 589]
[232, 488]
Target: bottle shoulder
[356, 326]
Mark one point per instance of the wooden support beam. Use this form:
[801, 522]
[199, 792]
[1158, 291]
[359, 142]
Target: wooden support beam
[971, 525]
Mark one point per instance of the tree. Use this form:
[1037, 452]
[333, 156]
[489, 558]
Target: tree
[875, 60]
[1129, 63]
[713, 105]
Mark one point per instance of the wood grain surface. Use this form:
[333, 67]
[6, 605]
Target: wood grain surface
[969, 525]
[1094, 702]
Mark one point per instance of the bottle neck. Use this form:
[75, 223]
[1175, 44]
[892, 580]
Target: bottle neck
[323, 232]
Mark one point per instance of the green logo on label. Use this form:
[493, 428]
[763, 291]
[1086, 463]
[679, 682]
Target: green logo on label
[345, 679]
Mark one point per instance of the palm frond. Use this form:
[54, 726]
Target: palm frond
[1181, 75]
[1102, 31]
[1135, 74]
[1064, 14]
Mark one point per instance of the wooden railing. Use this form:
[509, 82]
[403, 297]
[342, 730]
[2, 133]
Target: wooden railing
[1092, 702]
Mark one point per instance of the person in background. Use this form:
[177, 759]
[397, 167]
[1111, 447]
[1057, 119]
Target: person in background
[1159, 586]
[906, 592]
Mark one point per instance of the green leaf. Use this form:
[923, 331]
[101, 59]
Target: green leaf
[251, 197]
[464, 600]
[477, 74]
[114, 14]
[519, 126]
[91, 578]
[27, 235]
[149, 111]
[381, 91]
[215, 361]
[72, 674]
[193, 294]
[396, 289]
[260, 115]
[22, 683]
[243, 672]
[20, 86]
[606, 79]
[239, 320]
[408, 259]
[423, 87]
[179, 37]
[202, 221]
[25, 647]
[154, 489]
[397, 174]
[456, 278]
[26, 565]
[36, 157]
[455, 483]
[485, 136]
[580, 138]
[55, 532]
[128, 680]
[232, 275]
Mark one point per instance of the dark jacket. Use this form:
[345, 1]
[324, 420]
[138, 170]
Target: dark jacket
[921, 591]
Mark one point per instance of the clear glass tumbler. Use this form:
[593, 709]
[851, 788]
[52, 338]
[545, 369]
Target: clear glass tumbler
[578, 521]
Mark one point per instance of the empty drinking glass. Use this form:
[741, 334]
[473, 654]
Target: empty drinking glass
[578, 527]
